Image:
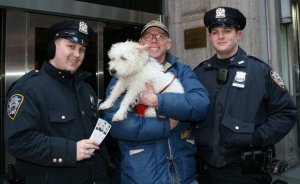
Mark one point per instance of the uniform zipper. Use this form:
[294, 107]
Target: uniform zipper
[174, 176]
[211, 115]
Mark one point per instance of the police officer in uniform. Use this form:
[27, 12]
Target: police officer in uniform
[51, 114]
[250, 110]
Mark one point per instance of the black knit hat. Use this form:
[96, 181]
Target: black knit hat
[224, 17]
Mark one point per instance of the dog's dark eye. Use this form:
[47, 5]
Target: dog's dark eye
[123, 58]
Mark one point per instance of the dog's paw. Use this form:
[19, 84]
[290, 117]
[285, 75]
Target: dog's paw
[119, 116]
[105, 105]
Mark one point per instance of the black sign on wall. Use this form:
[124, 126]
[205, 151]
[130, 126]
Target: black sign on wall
[195, 38]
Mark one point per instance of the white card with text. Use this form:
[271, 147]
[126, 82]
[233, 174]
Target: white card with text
[100, 131]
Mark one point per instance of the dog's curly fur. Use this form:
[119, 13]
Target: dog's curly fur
[131, 64]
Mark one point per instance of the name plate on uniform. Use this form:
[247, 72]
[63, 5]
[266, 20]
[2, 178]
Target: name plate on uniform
[195, 38]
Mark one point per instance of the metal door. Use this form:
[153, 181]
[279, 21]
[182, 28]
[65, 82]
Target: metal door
[26, 48]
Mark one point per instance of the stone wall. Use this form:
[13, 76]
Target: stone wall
[187, 14]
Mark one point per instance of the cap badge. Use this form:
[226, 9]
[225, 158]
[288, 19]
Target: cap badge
[14, 104]
[220, 13]
[83, 28]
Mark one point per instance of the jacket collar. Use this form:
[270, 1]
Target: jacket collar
[240, 60]
[169, 61]
[64, 76]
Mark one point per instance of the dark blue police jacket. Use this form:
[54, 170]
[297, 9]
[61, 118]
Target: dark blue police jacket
[252, 108]
[48, 111]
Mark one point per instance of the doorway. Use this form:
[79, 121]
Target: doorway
[114, 33]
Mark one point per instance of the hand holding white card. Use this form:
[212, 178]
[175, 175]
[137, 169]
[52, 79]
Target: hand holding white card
[100, 131]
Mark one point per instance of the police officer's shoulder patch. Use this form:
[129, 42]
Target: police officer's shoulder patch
[13, 105]
[276, 78]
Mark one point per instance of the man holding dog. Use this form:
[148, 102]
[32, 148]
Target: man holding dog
[162, 149]
[250, 110]
[51, 114]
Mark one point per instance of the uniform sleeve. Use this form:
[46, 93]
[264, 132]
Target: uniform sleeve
[190, 106]
[24, 138]
[282, 113]
[134, 127]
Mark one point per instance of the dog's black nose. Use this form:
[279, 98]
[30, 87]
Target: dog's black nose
[112, 72]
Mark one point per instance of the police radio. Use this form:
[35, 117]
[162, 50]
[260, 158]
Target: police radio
[222, 75]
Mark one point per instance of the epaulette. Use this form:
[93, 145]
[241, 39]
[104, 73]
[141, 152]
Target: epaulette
[272, 73]
[24, 78]
[257, 59]
[29, 75]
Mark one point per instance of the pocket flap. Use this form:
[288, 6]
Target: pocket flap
[238, 125]
[60, 117]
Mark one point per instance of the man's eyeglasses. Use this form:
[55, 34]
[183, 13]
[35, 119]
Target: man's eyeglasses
[158, 37]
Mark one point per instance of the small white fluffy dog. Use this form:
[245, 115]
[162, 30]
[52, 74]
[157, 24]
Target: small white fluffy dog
[131, 64]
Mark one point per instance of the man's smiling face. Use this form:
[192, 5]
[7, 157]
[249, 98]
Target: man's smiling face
[158, 41]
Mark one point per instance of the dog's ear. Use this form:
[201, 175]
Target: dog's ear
[145, 47]
[143, 52]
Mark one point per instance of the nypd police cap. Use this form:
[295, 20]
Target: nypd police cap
[74, 30]
[224, 17]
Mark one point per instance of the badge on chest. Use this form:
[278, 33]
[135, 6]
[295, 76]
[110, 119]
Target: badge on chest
[239, 79]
